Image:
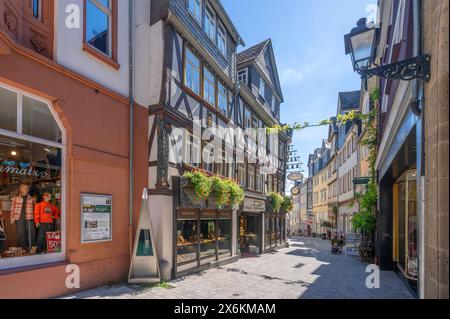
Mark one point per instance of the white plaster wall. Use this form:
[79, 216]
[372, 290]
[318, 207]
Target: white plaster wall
[156, 60]
[161, 213]
[143, 49]
[69, 48]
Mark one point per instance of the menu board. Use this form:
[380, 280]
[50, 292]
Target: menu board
[96, 222]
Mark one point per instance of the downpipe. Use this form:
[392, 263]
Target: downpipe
[131, 106]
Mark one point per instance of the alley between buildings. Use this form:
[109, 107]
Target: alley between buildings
[305, 270]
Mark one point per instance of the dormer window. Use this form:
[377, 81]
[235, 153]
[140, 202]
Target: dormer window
[262, 89]
[242, 76]
[195, 8]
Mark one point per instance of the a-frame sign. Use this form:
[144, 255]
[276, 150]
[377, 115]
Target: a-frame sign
[144, 266]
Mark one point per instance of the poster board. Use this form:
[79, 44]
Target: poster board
[96, 218]
[144, 267]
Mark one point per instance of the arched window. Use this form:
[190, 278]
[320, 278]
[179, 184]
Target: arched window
[31, 180]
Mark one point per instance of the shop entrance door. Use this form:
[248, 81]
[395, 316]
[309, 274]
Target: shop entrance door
[249, 233]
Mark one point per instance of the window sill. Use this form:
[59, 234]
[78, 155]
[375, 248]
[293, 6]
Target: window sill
[102, 57]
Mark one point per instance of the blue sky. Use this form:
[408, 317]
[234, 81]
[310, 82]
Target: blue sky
[307, 36]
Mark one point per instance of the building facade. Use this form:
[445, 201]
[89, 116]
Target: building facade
[201, 88]
[413, 218]
[58, 117]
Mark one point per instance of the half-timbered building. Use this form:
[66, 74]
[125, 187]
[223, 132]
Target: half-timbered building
[197, 120]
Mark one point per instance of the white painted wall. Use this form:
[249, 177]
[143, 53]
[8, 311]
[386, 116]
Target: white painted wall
[156, 60]
[69, 48]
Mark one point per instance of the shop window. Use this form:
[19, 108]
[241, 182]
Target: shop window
[30, 198]
[30, 181]
[8, 110]
[224, 235]
[38, 121]
[209, 91]
[186, 241]
[406, 225]
[192, 72]
[207, 238]
[98, 30]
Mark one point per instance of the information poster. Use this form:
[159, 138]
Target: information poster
[96, 211]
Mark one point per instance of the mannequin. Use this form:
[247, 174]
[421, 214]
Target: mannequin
[45, 214]
[22, 216]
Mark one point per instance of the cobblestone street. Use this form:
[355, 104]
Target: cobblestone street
[306, 270]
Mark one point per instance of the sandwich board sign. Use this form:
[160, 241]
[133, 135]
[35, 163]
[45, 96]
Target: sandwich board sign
[144, 266]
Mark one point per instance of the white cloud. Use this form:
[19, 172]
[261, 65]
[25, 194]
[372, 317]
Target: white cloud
[294, 75]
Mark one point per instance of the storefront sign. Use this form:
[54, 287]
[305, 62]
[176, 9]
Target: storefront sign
[22, 169]
[254, 205]
[96, 211]
[53, 242]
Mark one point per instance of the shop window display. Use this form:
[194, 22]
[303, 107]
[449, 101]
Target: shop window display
[224, 236]
[207, 238]
[186, 240]
[30, 197]
[407, 225]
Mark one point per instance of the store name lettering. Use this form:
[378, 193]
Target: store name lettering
[22, 171]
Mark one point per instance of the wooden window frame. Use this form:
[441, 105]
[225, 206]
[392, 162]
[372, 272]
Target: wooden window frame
[214, 85]
[199, 69]
[112, 60]
[209, 11]
[198, 18]
[221, 31]
[225, 96]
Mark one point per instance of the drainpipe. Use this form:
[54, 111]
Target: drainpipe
[131, 105]
[418, 99]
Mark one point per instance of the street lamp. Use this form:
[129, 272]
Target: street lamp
[361, 44]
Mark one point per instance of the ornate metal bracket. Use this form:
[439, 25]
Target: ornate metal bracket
[409, 69]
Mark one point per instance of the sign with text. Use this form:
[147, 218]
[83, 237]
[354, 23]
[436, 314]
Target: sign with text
[53, 242]
[96, 221]
[254, 205]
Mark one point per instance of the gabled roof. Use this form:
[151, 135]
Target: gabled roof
[252, 53]
[255, 54]
[349, 100]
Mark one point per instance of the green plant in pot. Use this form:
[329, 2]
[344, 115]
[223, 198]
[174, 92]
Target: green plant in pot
[220, 189]
[236, 193]
[201, 182]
